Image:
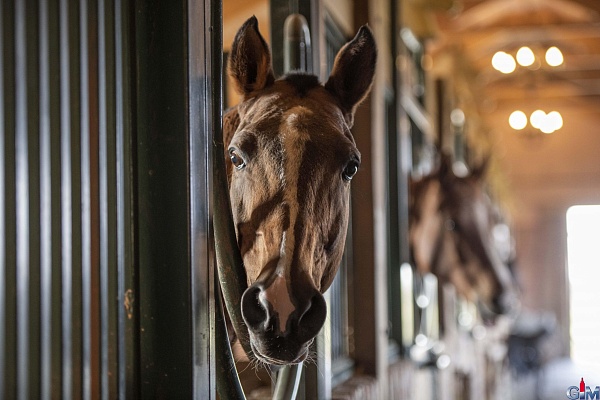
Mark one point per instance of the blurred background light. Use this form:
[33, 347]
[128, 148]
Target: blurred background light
[554, 57]
[517, 120]
[525, 56]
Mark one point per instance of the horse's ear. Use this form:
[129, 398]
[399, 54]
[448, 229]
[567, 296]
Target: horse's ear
[250, 60]
[353, 72]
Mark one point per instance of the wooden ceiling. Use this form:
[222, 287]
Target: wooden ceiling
[549, 172]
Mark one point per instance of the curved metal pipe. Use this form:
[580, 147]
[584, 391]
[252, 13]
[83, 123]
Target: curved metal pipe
[288, 381]
[297, 52]
[228, 380]
[232, 275]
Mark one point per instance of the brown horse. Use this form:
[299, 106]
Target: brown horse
[292, 158]
[451, 222]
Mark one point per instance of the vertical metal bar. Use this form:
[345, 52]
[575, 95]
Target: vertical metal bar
[66, 216]
[3, 260]
[109, 271]
[204, 82]
[22, 202]
[10, 290]
[56, 204]
[127, 288]
[162, 129]
[86, 256]
[121, 176]
[33, 183]
[45, 206]
[103, 203]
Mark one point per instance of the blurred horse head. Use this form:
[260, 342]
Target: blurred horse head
[451, 236]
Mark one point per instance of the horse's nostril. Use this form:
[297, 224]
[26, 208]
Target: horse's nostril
[253, 310]
[312, 319]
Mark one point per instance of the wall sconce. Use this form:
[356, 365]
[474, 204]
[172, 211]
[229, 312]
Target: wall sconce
[525, 57]
[539, 120]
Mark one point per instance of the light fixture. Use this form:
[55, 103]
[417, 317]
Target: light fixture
[525, 56]
[504, 62]
[554, 57]
[517, 120]
[554, 120]
[539, 120]
[536, 118]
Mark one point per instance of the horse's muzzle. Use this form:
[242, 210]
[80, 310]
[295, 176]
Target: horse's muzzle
[269, 342]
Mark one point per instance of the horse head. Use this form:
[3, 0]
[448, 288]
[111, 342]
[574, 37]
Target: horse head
[451, 232]
[292, 159]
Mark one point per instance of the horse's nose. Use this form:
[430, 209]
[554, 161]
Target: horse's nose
[270, 310]
[254, 310]
[281, 326]
[311, 316]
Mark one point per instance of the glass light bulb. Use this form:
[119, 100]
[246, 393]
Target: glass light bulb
[525, 56]
[554, 57]
[503, 62]
[546, 125]
[536, 118]
[555, 120]
[517, 120]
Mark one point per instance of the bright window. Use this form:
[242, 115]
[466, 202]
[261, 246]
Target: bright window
[583, 236]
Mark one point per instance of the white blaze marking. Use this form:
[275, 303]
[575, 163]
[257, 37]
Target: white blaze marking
[293, 147]
[277, 295]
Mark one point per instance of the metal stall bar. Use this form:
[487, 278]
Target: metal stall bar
[3, 222]
[231, 274]
[49, 195]
[8, 328]
[9, 262]
[85, 279]
[45, 272]
[127, 315]
[22, 203]
[112, 217]
[104, 200]
[162, 212]
[204, 95]
[66, 217]
[173, 110]
[46, 200]
[69, 292]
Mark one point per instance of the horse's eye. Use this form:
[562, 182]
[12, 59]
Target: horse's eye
[350, 170]
[237, 161]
